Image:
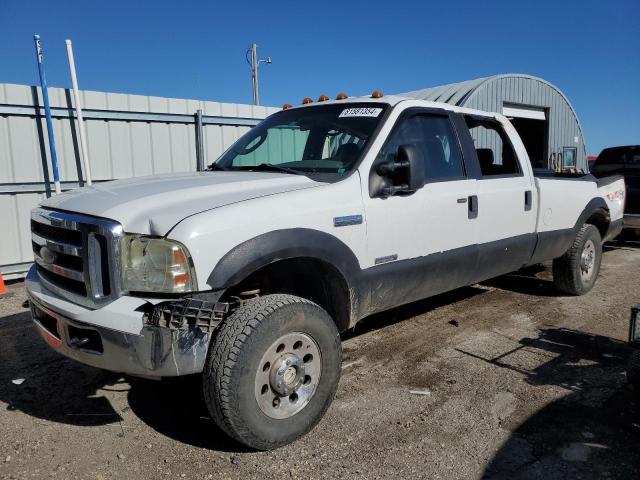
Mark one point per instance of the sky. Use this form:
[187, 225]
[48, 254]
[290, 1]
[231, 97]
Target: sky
[196, 49]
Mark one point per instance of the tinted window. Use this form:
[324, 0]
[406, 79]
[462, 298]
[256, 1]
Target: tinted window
[495, 152]
[436, 140]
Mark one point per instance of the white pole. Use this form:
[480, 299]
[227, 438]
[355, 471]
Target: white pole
[76, 97]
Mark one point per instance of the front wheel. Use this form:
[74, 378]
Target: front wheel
[272, 370]
[577, 270]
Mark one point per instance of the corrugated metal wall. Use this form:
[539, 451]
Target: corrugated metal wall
[563, 124]
[127, 136]
[492, 93]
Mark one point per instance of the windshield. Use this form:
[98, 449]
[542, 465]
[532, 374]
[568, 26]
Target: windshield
[327, 139]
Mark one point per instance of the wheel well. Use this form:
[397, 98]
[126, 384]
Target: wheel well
[600, 219]
[309, 278]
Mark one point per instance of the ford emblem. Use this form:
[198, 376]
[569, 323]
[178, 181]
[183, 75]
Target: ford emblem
[47, 255]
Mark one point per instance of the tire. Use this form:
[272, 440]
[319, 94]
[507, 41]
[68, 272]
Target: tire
[245, 359]
[577, 270]
[633, 369]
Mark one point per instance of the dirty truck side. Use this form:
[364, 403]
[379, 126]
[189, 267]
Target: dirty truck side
[319, 216]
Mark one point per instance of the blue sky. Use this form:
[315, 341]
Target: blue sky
[188, 49]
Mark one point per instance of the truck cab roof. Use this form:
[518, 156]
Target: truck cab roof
[394, 100]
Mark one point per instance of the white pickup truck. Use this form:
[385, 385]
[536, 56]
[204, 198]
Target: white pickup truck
[318, 217]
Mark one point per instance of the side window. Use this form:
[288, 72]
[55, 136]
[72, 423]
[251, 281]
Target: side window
[434, 136]
[495, 152]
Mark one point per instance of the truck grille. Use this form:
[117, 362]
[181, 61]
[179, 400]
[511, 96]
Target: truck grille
[77, 256]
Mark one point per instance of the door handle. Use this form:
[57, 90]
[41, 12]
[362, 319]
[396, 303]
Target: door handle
[473, 206]
[528, 201]
[462, 200]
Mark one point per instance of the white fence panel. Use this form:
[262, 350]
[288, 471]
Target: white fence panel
[127, 136]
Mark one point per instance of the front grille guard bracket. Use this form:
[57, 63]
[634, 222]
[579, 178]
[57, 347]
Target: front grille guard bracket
[187, 312]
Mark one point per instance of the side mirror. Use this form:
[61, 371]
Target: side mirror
[406, 173]
[414, 158]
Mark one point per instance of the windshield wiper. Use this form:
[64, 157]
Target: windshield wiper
[215, 166]
[273, 168]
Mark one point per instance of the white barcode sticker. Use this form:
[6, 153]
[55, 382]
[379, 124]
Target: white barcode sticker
[360, 112]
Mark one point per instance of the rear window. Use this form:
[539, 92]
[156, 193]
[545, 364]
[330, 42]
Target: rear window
[496, 155]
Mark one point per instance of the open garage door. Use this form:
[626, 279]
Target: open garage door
[532, 125]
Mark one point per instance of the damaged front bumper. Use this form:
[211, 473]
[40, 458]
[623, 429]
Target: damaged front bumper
[136, 336]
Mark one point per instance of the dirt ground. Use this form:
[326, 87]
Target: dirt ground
[516, 381]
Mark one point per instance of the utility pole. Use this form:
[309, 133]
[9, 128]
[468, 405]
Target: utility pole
[254, 62]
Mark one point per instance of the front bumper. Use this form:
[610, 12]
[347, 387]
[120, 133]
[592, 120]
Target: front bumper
[631, 220]
[115, 337]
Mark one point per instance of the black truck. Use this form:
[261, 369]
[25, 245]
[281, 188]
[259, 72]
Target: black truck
[623, 161]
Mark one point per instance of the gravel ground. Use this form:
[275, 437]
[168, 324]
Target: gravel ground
[513, 381]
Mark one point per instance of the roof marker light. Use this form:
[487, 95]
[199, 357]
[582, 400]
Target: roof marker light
[341, 96]
[376, 94]
[323, 98]
[286, 106]
[307, 100]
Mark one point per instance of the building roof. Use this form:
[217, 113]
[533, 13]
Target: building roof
[458, 93]
[461, 93]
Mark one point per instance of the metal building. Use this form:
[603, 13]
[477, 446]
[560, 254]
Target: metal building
[540, 112]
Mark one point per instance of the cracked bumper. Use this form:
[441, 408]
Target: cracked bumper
[115, 337]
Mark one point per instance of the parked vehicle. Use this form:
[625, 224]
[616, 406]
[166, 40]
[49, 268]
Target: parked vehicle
[318, 217]
[623, 161]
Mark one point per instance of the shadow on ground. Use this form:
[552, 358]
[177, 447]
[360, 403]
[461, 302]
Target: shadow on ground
[593, 431]
[535, 280]
[60, 390]
[405, 312]
[626, 241]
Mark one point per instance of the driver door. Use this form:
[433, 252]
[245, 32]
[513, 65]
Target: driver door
[422, 243]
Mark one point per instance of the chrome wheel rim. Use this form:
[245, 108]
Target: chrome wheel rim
[288, 375]
[587, 261]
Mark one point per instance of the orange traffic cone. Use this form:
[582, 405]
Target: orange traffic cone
[3, 289]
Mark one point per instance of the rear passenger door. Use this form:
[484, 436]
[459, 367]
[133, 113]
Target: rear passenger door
[506, 200]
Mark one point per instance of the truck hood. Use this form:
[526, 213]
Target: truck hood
[155, 204]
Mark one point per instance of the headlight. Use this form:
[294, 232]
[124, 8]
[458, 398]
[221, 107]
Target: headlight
[156, 265]
[634, 334]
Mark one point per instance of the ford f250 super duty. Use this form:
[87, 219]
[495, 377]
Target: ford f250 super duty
[316, 218]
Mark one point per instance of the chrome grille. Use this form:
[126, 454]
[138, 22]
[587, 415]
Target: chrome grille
[77, 256]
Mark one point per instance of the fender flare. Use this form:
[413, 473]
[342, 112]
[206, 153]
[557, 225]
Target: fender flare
[270, 247]
[595, 205]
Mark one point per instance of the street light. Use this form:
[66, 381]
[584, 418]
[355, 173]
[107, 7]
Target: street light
[252, 60]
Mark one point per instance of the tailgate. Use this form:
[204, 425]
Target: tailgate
[612, 190]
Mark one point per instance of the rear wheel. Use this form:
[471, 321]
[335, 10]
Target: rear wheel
[577, 270]
[272, 370]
